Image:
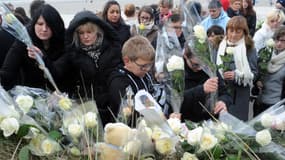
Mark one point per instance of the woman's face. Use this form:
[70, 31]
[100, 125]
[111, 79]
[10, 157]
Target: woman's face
[274, 23]
[87, 36]
[113, 13]
[234, 35]
[244, 4]
[42, 30]
[280, 44]
[145, 18]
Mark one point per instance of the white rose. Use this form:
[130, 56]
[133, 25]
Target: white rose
[164, 145]
[189, 156]
[90, 120]
[175, 63]
[48, 146]
[74, 130]
[24, 103]
[269, 43]
[194, 136]
[230, 50]
[65, 103]
[266, 120]
[200, 33]
[175, 124]
[263, 137]
[208, 141]
[9, 126]
[133, 147]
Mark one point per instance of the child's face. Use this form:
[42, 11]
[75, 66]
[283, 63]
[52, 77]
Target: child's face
[138, 67]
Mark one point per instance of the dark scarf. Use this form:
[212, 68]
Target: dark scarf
[94, 51]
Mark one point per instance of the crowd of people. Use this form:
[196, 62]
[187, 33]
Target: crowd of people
[98, 55]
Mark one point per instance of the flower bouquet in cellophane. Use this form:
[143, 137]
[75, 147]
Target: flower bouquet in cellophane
[272, 120]
[169, 66]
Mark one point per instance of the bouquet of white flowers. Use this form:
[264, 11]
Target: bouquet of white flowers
[169, 66]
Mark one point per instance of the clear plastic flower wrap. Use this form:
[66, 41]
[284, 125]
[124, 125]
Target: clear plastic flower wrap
[83, 128]
[12, 25]
[266, 148]
[169, 65]
[191, 17]
[272, 119]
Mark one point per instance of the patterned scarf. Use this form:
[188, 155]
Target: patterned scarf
[94, 50]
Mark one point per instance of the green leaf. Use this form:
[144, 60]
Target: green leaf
[24, 153]
[23, 130]
[217, 152]
[55, 135]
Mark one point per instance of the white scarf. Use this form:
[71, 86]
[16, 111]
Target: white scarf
[277, 61]
[243, 74]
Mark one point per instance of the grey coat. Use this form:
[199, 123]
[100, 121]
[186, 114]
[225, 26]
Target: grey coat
[239, 93]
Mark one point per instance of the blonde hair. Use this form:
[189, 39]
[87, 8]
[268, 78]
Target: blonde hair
[233, 1]
[275, 14]
[89, 26]
[166, 3]
[138, 47]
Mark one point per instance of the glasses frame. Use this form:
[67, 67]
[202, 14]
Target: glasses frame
[144, 66]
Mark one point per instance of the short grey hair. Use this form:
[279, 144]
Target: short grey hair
[214, 4]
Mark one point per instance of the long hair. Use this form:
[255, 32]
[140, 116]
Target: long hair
[107, 7]
[239, 22]
[249, 11]
[55, 23]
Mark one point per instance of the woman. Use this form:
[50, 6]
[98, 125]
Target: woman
[234, 9]
[92, 53]
[47, 33]
[146, 25]
[250, 15]
[112, 15]
[273, 20]
[242, 67]
[272, 87]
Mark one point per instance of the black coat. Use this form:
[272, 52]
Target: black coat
[6, 42]
[194, 93]
[231, 13]
[18, 63]
[123, 30]
[78, 71]
[251, 23]
[120, 79]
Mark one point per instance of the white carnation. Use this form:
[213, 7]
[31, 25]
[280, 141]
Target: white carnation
[175, 63]
[24, 103]
[266, 120]
[194, 136]
[90, 120]
[263, 137]
[9, 126]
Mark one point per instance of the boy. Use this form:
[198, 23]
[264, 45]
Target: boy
[138, 58]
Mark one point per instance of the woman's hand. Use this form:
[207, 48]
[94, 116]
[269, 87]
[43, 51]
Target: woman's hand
[32, 51]
[220, 107]
[229, 75]
[211, 85]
